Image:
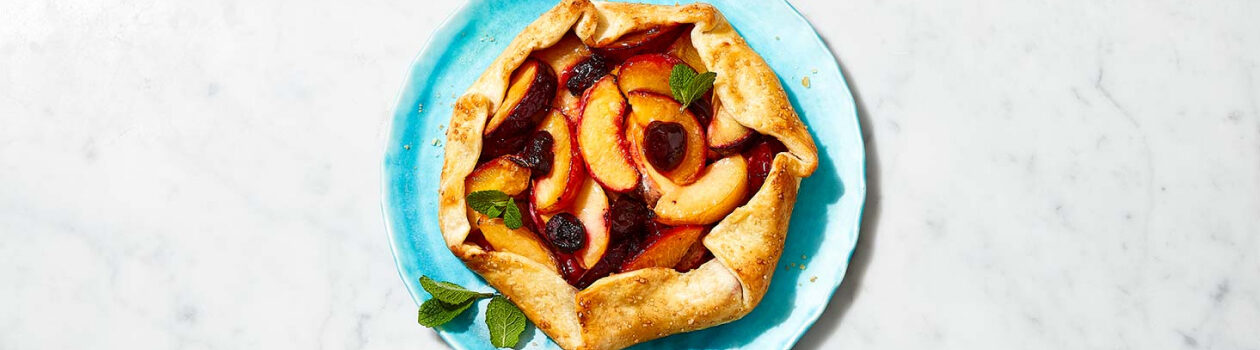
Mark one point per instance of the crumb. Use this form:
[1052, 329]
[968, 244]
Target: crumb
[776, 37]
[420, 109]
[802, 266]
[487, 38]
[805, 82]
[441, 126]
[803, 257]
[815, 71]
[436, 142]
[812, 279]
[407, 147]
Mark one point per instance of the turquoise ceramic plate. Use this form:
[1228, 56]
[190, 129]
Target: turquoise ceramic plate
[824, 226]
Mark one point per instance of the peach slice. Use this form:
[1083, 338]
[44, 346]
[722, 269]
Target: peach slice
[654, 39]
[710, 198]
[520, 241]
[683, 49]
[697, 255]
[646, 107]
[666, 249]
[556, 190]
[530, 92]
[600, 139]
[654, 183]
[564, 55]
[647, 72]
[500, 174]
[591, 207]
[725, 134]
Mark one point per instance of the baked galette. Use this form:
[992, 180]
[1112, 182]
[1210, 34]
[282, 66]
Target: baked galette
[609, 206]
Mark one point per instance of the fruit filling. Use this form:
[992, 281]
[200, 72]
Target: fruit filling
[612, 158]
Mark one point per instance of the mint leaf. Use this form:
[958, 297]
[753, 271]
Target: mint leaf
[448, 292]
[512, 216]
[679, 79]
[435, 313]
[493, 212]
[687, 86]
[484, 201]
[505, 321]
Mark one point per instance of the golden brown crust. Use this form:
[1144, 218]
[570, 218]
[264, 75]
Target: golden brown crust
[629, 308]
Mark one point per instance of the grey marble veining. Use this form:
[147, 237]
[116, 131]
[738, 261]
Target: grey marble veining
[1045, 175]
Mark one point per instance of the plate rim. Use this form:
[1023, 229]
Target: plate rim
[442, 28]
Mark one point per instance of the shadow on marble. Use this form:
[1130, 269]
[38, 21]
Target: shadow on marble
[839, 305]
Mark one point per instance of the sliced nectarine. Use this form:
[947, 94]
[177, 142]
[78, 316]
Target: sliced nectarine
[683, 49]
[716, 193]
[500, 174]
[600, 138]
[591, 207]
[530, 91]
[666, 249]
[557, 189]
[647, 107]
[520, 241]
[654, 39]
[697, 255]
[647, 72]
[564, 55]
[725, 134]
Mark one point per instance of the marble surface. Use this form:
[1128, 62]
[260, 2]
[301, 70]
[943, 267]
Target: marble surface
[1043, 175]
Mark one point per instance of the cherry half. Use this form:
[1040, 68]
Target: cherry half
[665, 143]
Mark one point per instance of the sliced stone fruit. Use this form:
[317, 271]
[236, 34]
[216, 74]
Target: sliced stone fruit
[564, 55]
[520, 241]
[501, 174]
[725, 134]
[715, 194]
[683, 49]
[697, 255]
[600, 137]
[648, 107]
[648, 72]
[655, 39]
[530, 92]
[591, 208]
[665, 249]
[556, 189]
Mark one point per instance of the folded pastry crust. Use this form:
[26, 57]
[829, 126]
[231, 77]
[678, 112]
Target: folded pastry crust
[628, 308]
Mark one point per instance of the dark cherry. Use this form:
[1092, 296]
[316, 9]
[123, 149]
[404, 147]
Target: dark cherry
[611, 262]
[499, 146]
[537, 154]
[702, 109]
[570, 269]
[628, 219]
[664, 144]
[760, 158]
[566, 233]
[586, 73]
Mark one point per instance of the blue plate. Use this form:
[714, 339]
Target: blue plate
[824, 226]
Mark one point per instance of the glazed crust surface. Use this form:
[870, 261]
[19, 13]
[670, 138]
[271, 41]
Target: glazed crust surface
[629, 308]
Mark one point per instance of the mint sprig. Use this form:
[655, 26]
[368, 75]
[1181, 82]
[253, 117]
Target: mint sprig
[495, 203]
[448, 292]
[505, 321]
[687, 85]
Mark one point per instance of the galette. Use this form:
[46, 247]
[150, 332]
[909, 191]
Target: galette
[623, 172]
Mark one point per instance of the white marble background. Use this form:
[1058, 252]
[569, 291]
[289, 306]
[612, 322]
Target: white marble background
[1044, 174]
